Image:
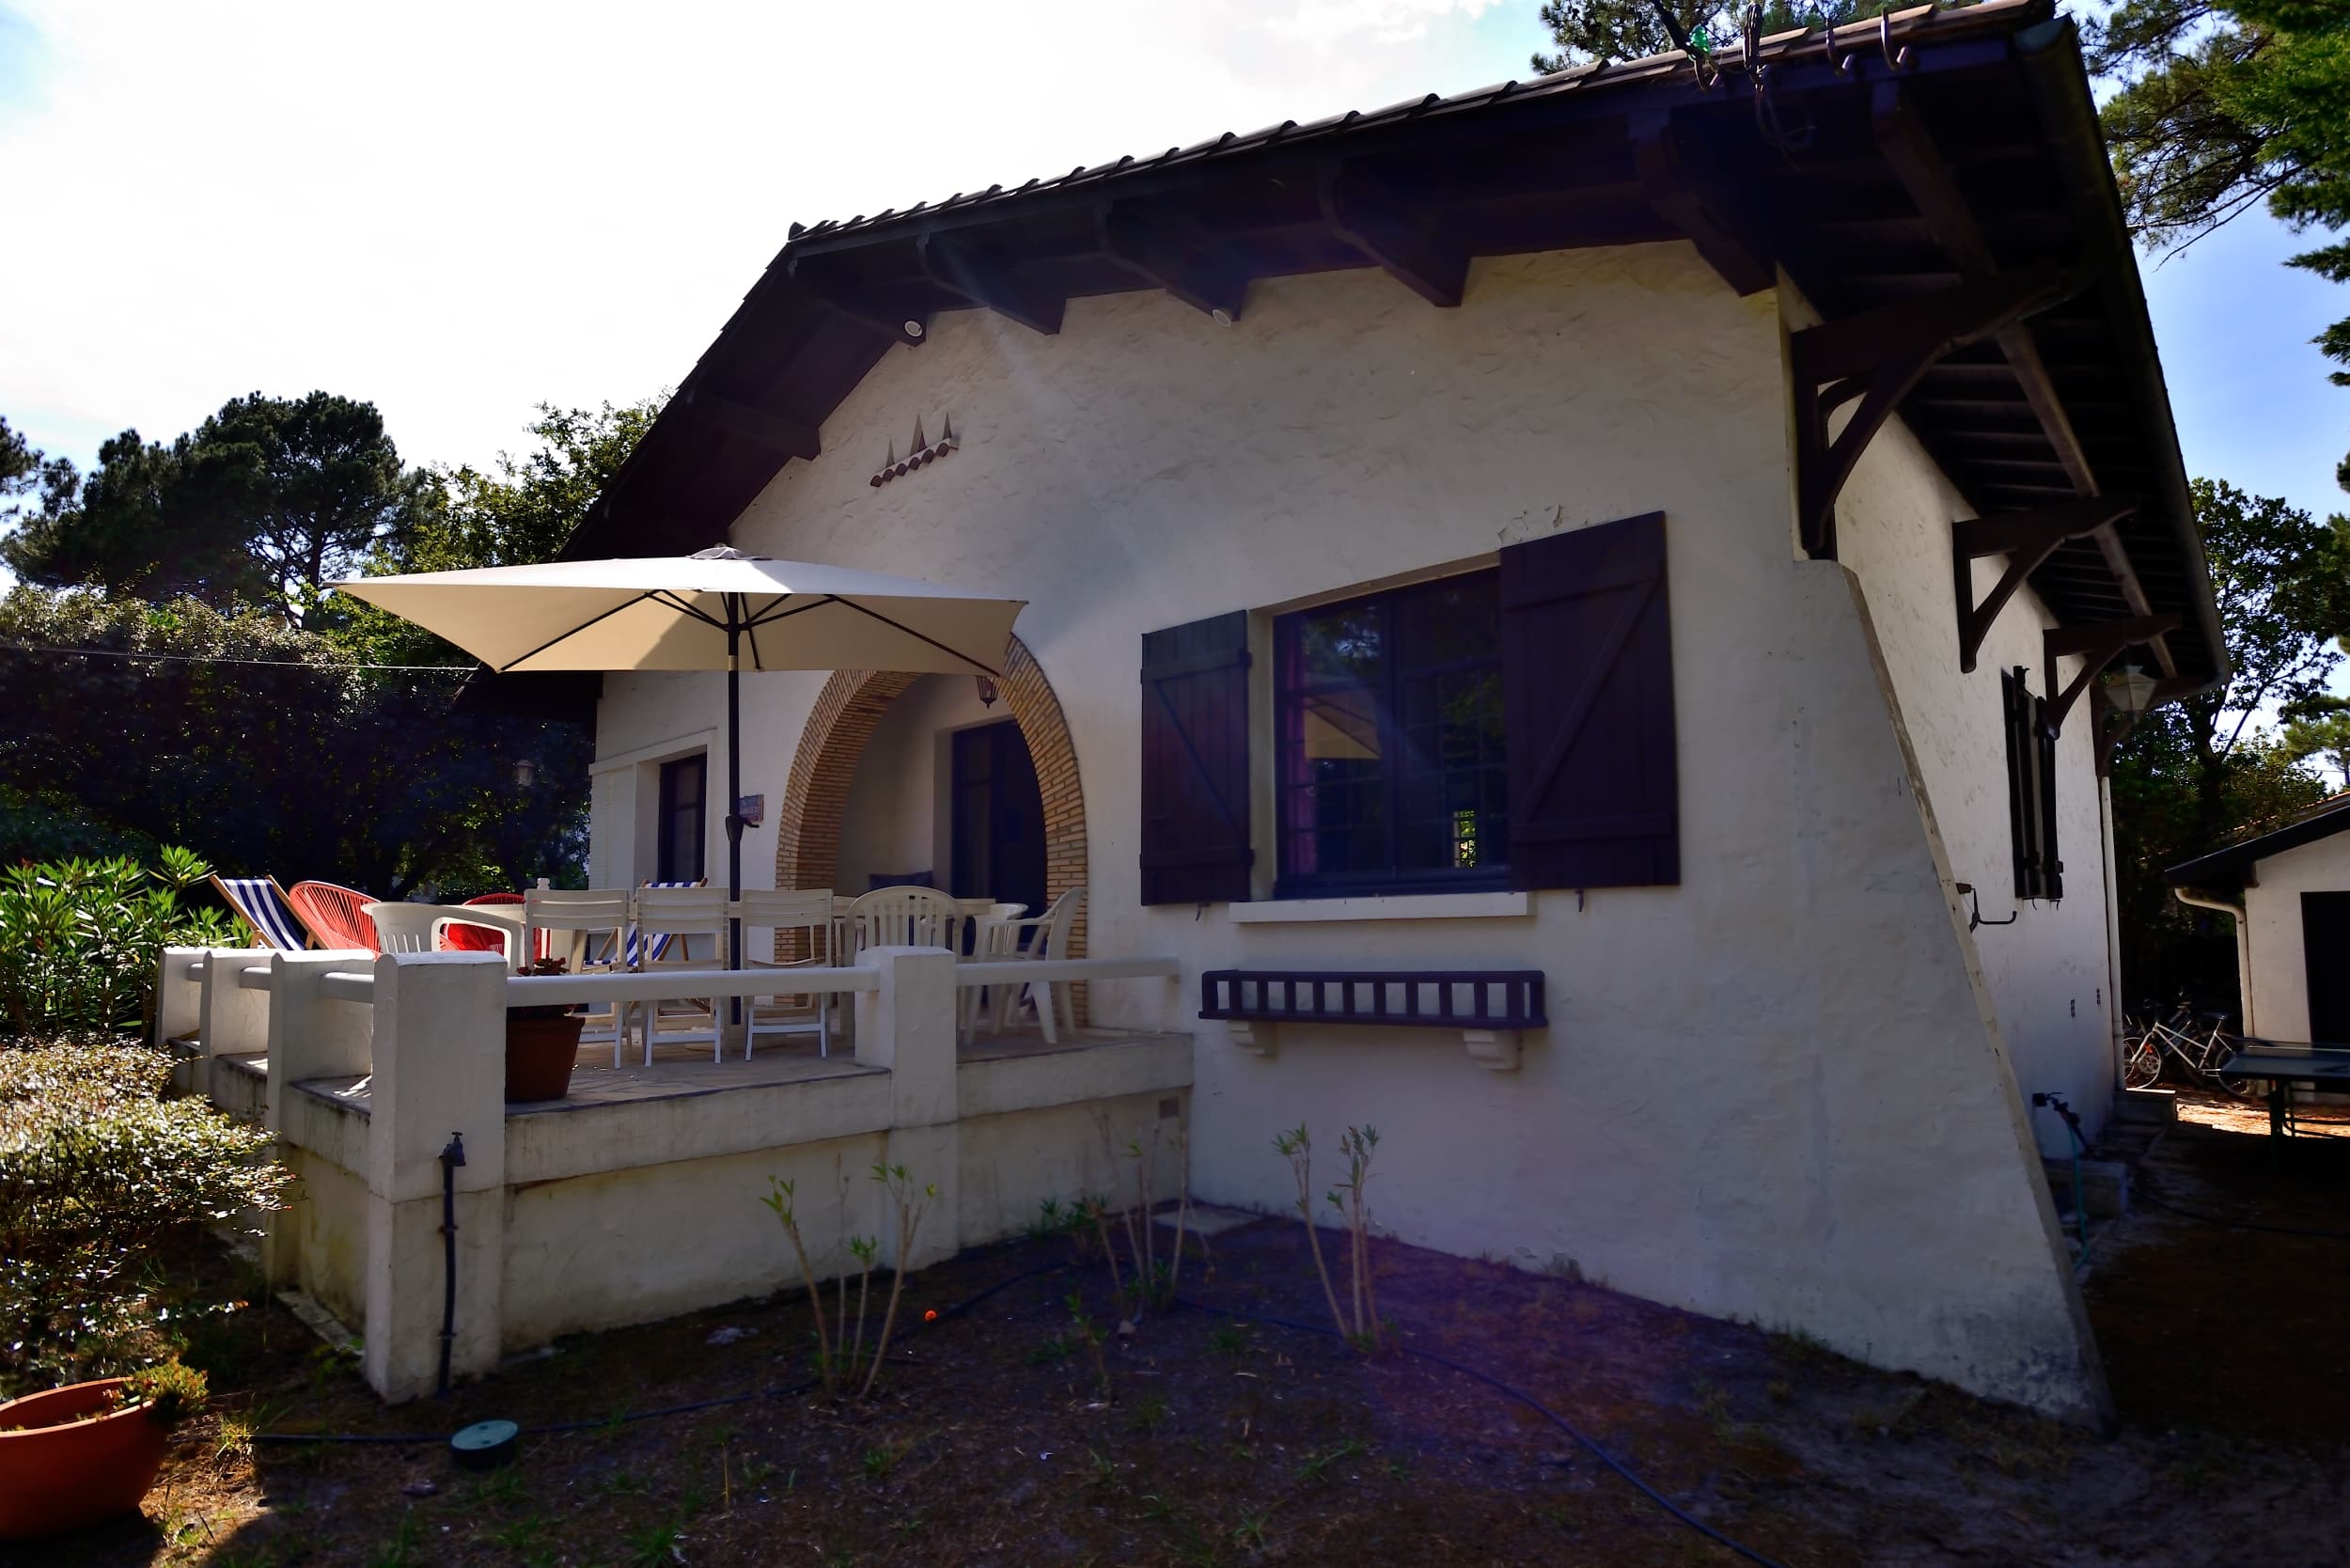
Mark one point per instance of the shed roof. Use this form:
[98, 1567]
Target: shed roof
[1774, 157]
[2232, 867]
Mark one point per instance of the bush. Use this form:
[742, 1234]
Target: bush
[96, 1170]
[79, 940]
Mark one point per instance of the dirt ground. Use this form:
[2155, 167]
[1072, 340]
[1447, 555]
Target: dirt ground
[1227, 1442]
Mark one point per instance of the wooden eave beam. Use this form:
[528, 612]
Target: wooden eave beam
[1875, 356]
[1365, 212]
[777, 432]
[2028, 539]
[2097, 645]
[961, 266]
[1677, 177]
[1908, 148]
[853, 304]
[1206, 274]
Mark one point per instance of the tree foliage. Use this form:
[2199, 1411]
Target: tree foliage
[1634, 29]
[2226, 106]
[268, 500]
[2190, 775]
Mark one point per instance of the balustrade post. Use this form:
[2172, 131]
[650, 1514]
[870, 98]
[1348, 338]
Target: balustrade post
[439, 1065]
[908, 1025]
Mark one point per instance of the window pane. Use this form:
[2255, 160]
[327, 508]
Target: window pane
[1391, 749]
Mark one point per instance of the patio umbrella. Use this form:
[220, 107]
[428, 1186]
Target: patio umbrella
[711, 610]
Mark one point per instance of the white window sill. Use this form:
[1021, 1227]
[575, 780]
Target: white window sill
[1400, 906]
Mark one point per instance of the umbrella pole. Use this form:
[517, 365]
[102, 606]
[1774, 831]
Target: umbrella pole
[734, 802]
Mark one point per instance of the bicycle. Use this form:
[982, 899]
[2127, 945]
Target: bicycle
[2198, 1049]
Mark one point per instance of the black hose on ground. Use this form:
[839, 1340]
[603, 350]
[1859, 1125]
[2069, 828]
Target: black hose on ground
[412, 1439]
[2146, 1197]
[1531, 1403]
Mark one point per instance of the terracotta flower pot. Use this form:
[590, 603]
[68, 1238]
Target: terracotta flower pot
[63, 1472]
[540, 1050]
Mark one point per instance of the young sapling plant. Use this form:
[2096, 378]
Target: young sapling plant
[1297, 1146]
[1091, 1332]
[911, 1205]
[780, 1198]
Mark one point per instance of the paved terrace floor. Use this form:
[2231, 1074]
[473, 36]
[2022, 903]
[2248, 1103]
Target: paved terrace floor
[681, 1069]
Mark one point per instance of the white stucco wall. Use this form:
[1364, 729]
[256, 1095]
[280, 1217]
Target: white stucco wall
[896, 821]
[2278, 986]
[1776, 1090]
[2047, 973]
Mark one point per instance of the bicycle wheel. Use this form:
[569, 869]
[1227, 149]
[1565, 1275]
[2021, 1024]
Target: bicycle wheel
[2141, 1063]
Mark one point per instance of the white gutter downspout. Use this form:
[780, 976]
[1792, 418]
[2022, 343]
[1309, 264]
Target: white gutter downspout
[2243, 949]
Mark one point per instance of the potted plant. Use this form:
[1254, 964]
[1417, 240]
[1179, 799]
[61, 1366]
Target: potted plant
[541, 1044]
[86, 1453]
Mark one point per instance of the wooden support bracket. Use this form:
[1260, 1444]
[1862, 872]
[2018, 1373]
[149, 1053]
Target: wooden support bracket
[1367, 215]
[777, 432]
[2097, 645]
[1711, 213]
[1875, 356]
[963, 267]
[2028, 539]
[1209, 279]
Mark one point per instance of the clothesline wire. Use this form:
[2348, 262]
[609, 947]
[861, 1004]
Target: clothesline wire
[222, 659]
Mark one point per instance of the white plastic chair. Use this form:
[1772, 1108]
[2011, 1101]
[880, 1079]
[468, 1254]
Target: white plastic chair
[984, 915]
[510, 928]
[809, 913]
[406, 928]
[588, 929]
[668, 921]
[905, 918]
[1047, 936]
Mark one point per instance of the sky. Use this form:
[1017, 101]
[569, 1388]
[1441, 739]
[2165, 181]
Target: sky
[458, 212]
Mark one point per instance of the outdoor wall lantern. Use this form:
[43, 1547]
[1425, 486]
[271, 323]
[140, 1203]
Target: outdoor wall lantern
[526, 773]
[987, 690]
[2130, 689]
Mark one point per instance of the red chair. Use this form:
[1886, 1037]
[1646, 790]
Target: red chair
[489, 939]
[336, 917]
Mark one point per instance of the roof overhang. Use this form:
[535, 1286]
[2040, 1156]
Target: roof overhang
[1884, 164]
[2232, 868]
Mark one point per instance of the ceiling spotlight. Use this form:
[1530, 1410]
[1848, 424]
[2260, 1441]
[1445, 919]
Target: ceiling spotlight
[1220, 316]
[913, 328]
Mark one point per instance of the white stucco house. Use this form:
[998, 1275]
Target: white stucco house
[1641, 545]
[2289, 892]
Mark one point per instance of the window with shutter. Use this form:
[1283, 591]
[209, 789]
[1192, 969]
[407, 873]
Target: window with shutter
[1588, 696]
[2032, 806]
[1194, 763]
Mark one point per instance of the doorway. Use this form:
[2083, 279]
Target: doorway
[2326, 960]
[998, 820]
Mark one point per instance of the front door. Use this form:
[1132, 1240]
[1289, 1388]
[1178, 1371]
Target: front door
[998, 822]
[2325, 959]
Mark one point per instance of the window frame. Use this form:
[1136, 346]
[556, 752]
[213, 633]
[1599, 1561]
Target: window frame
[1393, 878]
[667, 809]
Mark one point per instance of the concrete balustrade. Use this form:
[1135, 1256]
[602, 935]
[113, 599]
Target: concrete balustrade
[600, 1210]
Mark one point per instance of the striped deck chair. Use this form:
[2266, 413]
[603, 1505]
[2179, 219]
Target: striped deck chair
[335, 916]
[640, 951]
[260, 903]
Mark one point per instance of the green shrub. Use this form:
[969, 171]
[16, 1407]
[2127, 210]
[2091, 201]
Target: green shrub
[95, 1169]
[79, 940]
[168, 1391]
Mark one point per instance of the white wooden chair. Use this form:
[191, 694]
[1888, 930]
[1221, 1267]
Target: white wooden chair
[671, 922]
[1046, 935]
[774, 911]
[905, 918]
[588, 929]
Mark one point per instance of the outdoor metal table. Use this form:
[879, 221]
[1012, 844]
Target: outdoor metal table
[2282, 1066]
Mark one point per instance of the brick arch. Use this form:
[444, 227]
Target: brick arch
[816, 795]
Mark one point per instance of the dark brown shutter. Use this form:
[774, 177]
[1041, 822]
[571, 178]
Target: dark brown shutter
[1194, 763]
[2031, 808]
[1587, 678]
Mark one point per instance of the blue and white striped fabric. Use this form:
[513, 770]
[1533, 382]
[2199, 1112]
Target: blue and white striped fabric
[258, 899]
[638, 954]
